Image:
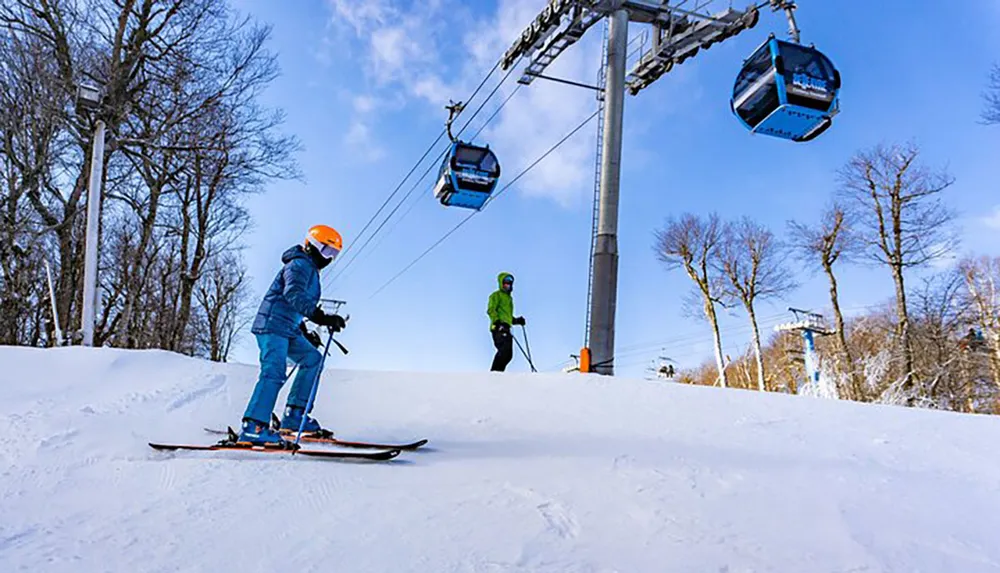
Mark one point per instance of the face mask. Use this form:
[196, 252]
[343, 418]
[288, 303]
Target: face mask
[327, 253]
[318, 259]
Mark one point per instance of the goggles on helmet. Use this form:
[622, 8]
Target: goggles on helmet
[328, 252]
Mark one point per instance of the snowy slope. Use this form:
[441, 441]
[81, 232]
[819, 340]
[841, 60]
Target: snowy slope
[527, 473]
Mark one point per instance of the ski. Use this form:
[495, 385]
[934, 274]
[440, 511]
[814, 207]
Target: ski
[375, 456]
[232, 443]
[327, 437]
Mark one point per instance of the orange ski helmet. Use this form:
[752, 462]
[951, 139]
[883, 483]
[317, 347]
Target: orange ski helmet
[326, 241]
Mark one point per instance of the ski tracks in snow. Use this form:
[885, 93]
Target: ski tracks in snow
[551, 546]
[557, 519]
[213, 385]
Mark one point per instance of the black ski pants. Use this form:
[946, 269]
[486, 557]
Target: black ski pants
[504, 344]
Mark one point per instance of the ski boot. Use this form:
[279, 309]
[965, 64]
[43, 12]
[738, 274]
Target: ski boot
[293, 418]
[255, 433]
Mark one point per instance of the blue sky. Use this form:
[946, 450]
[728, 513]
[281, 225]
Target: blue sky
[364, 83]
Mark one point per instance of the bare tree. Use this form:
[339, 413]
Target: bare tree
[187, 140]
[220, 300]
[901, 220]
[938, 313]
[954, 365]
[982, 281]
[691, 243]
[753, 262]
[991, 114]
[825, 244]
[119, 45]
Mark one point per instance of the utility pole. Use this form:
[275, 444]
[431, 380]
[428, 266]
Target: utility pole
[93, 224]
[678, 34]
[88, 101]
[605, 277]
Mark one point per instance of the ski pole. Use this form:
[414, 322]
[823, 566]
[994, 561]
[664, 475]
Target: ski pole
[312, 391]
[524, 331]
[523, 353]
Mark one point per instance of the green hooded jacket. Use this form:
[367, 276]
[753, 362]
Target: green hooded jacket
[501, 304]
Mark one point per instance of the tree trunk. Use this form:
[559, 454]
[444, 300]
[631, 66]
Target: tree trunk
[761, 379]
[717, 339]
[136, 269]
[903, 327]
[841, 335]
[995, 363]
[68, 282]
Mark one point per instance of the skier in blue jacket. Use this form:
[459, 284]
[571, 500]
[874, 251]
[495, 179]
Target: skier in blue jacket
[294, 294]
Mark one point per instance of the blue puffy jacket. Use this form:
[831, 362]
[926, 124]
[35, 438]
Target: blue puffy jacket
[292, 296]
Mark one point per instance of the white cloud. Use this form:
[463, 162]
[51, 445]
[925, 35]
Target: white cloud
[365, 103]
[395, 40]
[412, 51]
[394, 49]
[359, 139]
[544, 112]
[432, 89]
[993, 219]
[361, 14]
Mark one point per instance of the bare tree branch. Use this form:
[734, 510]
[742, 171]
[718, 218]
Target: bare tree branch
[823, 245]
[991, 113]
[691, 243]
[753, 261]
[901, 219]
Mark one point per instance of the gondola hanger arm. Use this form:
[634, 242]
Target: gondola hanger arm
[789, 7]
[454, 109]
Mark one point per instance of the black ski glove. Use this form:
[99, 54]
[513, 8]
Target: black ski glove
[311, 336]
[518, 320]
[334, 322]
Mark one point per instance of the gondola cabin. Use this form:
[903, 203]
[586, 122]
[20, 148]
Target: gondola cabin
[468, 176]
[787, 90]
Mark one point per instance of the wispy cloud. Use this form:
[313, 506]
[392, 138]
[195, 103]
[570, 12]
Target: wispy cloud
[364, 103]
[993, 219]
[410, 51]
[362, 13]
[359, 139]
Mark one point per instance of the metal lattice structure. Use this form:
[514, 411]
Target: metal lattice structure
[602, 80]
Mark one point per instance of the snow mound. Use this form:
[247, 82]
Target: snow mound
[539, 473]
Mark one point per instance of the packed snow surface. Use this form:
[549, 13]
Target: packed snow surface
[545, 473]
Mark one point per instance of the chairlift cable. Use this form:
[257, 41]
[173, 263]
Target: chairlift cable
[412, 170]
[358, 253]
[424, 176]
[474, 213]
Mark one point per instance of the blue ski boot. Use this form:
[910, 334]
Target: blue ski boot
[293, 417]
[260, 434]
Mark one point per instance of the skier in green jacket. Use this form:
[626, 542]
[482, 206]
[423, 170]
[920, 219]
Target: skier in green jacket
[500, 309]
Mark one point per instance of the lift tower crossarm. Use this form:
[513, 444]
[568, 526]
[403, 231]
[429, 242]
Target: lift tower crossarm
[676, 38]
[547, 38]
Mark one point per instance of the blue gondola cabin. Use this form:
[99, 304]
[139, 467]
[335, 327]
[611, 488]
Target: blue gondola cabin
[468, 176]
[787, 90]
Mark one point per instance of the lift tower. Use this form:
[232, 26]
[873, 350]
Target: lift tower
[679, 31]
[808, 324]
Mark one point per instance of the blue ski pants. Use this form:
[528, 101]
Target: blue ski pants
[275, 352]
